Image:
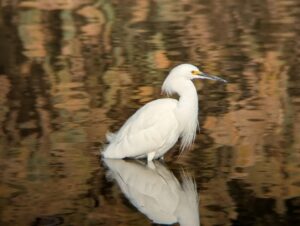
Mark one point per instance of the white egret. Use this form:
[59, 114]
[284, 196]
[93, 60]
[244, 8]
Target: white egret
[156, 192]
[153, 129]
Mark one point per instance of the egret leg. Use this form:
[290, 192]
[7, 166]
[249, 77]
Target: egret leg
[150, 156]
[151, 165]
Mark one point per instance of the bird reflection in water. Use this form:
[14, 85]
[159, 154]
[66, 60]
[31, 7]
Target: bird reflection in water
[155, 191]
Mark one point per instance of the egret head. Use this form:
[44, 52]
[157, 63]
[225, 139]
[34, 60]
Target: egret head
[191, 72]
[184, 72]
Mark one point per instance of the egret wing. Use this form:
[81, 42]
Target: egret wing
[149, 129]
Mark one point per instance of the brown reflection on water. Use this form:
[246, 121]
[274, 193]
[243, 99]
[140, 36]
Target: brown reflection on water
[71, 70]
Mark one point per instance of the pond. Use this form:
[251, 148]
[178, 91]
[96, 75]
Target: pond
[72, 70]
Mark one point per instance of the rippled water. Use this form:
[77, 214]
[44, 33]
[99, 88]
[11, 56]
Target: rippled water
[70, 70]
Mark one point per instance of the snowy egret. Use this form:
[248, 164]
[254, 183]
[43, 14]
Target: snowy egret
[153, 129]
[156, 192]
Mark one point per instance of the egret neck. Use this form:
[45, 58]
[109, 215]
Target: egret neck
[187, 111]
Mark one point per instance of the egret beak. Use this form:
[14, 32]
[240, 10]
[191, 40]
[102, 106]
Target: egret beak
[210, 77]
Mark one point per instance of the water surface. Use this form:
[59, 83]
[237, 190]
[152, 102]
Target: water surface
[71, 70]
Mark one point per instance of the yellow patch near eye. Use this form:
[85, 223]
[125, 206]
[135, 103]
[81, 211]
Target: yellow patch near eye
[196, 72]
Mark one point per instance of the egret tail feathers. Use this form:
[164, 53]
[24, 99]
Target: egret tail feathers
[110, 136]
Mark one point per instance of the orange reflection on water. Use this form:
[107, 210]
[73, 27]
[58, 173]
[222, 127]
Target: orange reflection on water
[72, 70]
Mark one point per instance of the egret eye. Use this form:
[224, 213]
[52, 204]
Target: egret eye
[196, 72]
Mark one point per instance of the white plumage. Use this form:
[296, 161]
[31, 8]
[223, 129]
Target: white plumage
[155, 128]
[156, 192]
